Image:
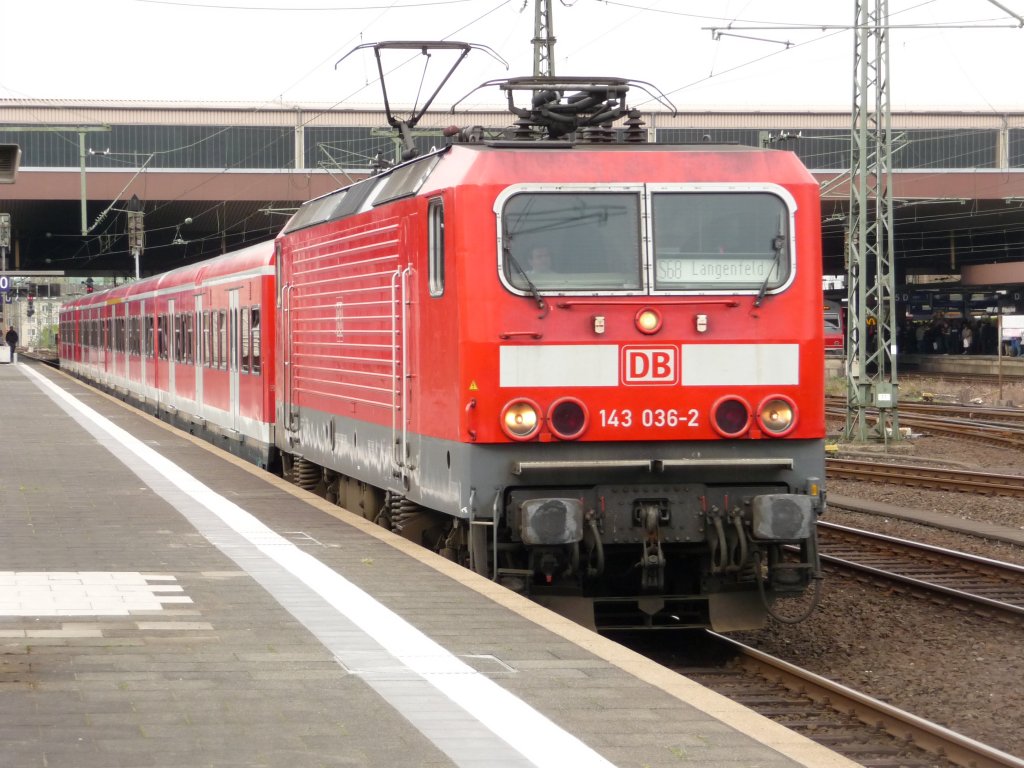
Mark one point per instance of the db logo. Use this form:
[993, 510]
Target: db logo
[649, 365]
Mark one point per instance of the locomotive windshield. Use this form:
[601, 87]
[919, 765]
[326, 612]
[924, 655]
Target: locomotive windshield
[571, 240]
[732, 240]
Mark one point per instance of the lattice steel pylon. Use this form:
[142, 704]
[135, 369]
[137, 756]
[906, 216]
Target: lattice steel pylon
[871, 300]
[543, 39]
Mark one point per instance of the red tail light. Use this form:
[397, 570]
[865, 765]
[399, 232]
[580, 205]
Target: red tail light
[567, 418]
[730, 416]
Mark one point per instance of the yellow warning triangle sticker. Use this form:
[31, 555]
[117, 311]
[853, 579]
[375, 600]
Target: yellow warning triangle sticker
[473, 387]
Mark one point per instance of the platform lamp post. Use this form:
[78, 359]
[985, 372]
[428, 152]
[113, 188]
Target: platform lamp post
[136, 235]
[5, 244]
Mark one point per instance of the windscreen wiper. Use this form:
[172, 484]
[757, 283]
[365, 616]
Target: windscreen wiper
[778, 242]
[541, 305]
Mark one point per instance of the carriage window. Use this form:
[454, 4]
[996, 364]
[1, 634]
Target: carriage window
[435, 244]
[278, 279]
[572, 241]
[205, 342]
[214, 339]
[256, 363]
[119, 334]
[149, 335]
[179, 346]
[190, 338]
[161, 337]
[245, 339]
[181, 340]
[134, 332]
[720, 240]
[221, 330]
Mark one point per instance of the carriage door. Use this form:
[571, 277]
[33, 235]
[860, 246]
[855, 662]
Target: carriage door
[287, 360]
[198, 359]
[172, 352]
[141, 350]
[233, 355]
[126, 344]
[402, 459]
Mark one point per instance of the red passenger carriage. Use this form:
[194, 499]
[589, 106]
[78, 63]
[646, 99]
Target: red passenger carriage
[189, 346]
[835, 327]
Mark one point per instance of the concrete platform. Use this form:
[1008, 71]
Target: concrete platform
[164, 604]
[962, 365]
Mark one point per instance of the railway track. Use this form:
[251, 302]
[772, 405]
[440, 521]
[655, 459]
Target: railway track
[862, 728]
[938, 478]
[993, 585]
[854, 724]
[953, 411]
[1006, 434]
[965, 411]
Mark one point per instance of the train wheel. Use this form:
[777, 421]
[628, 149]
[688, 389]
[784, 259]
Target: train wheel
[370, 501]
[478, 557]
[333, 482]
[457, 542]
[345, 494]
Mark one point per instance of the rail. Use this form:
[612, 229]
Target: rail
[940, 478]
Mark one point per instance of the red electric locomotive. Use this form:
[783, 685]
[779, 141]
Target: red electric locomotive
[588, 367]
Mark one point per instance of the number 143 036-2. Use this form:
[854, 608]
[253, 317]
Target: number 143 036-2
[649, 417]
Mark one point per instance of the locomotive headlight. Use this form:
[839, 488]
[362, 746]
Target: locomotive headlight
[567, 418]
[777, 415]
[730, 416]
[520, 419]
[648, 320]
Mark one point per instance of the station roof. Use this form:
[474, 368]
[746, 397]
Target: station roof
[211, 177]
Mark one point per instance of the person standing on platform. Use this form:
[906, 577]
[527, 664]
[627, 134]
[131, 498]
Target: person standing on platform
[12, 340]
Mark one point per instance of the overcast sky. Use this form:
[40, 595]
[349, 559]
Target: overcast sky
[286, 50]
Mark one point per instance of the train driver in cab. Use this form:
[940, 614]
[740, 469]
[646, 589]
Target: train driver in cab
[541, 262]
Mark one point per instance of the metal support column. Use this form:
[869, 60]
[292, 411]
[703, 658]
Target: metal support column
[871, 300]
[543, 39]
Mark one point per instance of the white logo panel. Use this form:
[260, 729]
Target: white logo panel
[563, 365]
[715, 365]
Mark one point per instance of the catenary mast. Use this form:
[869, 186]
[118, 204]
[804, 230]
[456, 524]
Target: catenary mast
[871, 301]
[543, 39]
